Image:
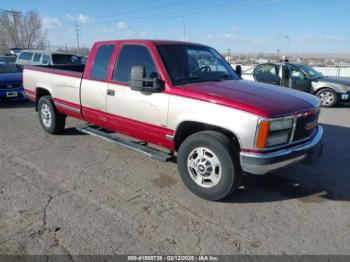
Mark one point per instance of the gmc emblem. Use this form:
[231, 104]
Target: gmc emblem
[310, 125]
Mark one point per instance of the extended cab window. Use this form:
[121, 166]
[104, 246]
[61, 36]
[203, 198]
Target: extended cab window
[101, 62]
[134, 55]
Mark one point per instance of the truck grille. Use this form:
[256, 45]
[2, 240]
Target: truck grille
[10, 86]
[305, 126]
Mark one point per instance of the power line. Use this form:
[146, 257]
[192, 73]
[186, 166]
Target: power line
[180, 13]
[128, 12]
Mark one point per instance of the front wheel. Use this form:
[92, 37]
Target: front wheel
[52, 121]
[209, 166]
[328, 97]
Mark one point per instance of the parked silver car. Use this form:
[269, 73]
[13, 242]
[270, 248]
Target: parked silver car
[38, 57]
[330, 90]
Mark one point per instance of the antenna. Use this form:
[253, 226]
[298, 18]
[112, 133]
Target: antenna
[184, 27]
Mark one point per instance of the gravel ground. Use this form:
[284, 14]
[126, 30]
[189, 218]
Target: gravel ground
[74, 194]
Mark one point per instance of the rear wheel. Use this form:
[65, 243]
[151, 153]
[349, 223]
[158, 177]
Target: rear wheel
[328, 97]
[209, 166]
[52, 121]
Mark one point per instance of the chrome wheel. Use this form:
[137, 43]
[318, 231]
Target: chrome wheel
[327, 98]
[46, 115]
[204, 167]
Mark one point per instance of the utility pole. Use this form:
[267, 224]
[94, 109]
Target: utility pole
[15, 15]
[229, 55]
[77, 32]
[288, 42]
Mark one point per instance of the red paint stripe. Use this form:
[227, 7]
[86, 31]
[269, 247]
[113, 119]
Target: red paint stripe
[67, 103]
[140, 130]
[54, 71]
[30, 92]
[30, 95]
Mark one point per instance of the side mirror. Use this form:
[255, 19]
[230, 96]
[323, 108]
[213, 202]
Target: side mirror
[239, 71]
[138, 82]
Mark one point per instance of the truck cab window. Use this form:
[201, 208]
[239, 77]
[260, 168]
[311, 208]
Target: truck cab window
[101, 62]
[132, 55]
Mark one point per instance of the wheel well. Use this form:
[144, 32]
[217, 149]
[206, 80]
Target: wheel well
[39, 93]
[188, 128]
[324, 87]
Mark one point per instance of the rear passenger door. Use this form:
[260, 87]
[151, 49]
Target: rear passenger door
[134, 113]
[267, 73]
[94, 86]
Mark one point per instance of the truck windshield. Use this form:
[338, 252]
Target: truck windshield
[188, 64]
[65, 59]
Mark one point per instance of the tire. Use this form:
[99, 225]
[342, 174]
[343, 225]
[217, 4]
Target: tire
[52, 121]
[205, 178]
[328, 97]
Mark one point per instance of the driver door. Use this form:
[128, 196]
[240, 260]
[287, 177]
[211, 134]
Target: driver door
[134, 113]
[298, 80]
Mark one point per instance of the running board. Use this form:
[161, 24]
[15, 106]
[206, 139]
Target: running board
[137, 146]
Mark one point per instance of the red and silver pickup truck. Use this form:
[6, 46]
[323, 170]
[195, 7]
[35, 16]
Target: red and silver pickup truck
[182, 101]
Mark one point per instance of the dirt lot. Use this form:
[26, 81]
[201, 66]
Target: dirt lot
[74, 194]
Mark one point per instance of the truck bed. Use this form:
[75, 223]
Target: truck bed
[62, 82]
[65, 68]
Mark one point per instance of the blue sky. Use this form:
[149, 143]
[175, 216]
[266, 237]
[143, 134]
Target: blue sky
[313, 26]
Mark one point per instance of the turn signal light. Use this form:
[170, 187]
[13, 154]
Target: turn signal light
[263, 134]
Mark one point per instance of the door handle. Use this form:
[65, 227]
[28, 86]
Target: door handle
[110, 92]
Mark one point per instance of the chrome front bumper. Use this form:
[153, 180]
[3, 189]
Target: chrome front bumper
[262, 163]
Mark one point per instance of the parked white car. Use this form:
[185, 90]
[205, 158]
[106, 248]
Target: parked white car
[39, 57]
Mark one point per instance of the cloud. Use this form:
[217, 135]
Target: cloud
[329, 39]
[143, 34]
[49, 22]
[236, 28]
[122, 25]
[234, 38]
[81, 18]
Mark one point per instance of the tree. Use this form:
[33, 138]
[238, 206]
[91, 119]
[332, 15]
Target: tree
[23, 31]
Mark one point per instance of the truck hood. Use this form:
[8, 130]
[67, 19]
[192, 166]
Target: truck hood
[10, 78]
[261, 99]
[335, 80]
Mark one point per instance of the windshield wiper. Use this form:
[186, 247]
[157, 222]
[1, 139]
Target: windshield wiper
[223, 77]
[188, 78]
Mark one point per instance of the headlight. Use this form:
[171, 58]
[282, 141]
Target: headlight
[281, 124]
[274, 133]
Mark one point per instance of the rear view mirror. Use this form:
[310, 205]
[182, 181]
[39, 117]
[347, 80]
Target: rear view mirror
[239, 71]
[138, 82]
